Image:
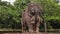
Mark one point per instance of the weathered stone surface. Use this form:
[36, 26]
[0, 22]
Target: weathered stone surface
[29, 33]
[31, 18]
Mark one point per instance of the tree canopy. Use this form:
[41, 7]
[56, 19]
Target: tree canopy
[10, 15]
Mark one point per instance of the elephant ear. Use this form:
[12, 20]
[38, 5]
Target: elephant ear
[40, 9]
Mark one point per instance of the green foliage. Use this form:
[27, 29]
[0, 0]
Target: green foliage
[10, 16]
[51, 9]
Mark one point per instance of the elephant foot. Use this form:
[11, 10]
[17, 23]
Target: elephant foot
[37, 30]
[31, 31]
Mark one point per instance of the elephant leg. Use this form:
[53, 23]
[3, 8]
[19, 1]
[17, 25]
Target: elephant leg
[24, 27]
[34, 28]
[37, 27]
[30, 27]
[39, 20]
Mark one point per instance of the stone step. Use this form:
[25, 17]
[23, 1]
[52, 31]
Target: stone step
[29, 33]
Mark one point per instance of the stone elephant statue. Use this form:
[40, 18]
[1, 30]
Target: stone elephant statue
[31, 18]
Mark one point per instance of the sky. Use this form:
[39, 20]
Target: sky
[11, 1]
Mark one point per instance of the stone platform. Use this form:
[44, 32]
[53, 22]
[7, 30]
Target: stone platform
[29, 33]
